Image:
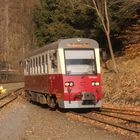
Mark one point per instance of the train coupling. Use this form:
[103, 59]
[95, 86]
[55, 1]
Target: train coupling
[88, 98]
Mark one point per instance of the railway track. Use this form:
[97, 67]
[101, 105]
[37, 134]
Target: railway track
[118, 117]
[104, 117]
[128, 110]
[9, 97]
[11, 82]
[122, 111]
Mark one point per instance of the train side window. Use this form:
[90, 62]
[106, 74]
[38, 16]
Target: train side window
[39, 61]
[53, 59]
[24, 66]
[42, 59]
[33, 65]
[46, 59]
[30, 63]
[36, 65]
[28, 67]
[46, 63]
[43, 64]
[39, 65]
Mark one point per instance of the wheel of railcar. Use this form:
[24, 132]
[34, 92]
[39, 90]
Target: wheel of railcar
[48, 98]
[52, 103]
[28, 96]
[98, 109]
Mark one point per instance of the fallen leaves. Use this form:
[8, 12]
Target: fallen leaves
[124, 87]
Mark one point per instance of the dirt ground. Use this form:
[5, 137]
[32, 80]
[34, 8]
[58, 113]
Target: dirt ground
[22, 120]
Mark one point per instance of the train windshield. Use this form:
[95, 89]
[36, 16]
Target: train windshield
[80, 62]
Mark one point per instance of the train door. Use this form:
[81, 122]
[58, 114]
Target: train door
[53, 62]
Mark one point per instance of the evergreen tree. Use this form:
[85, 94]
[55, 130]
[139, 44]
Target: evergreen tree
[57, 19]
[122, 13]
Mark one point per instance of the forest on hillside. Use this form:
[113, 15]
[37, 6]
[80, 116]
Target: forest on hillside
[28, 24]
[55, 19]
[16, 30]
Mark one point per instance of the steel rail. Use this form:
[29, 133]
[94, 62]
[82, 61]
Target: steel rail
[5, 103]
[4, 96]
[119, 112]
[8, 94]
[2, 83]
[109, 115]
[11, 98]
[18, 89]
[105, 122]
[107, 108]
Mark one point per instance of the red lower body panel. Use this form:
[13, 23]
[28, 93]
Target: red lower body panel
[55, 84]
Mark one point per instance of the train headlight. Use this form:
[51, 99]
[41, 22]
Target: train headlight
[95, 83]
[69, 84]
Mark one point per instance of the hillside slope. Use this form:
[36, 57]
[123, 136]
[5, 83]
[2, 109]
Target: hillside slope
[131, 32]
[124, 87]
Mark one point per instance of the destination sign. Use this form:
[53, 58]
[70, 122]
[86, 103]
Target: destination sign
[79, 45]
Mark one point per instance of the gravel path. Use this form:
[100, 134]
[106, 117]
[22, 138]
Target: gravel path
[24, 121]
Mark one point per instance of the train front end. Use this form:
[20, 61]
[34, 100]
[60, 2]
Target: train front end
[80, 64]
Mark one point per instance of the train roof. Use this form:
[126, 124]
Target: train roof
[56, 45]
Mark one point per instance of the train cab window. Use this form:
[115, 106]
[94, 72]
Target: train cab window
[53, 59]
[80, 62]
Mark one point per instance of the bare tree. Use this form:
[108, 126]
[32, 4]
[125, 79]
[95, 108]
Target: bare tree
[6, 30]
[102, 12]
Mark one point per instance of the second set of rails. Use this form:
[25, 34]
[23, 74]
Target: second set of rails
[129, 121]
[7, 98]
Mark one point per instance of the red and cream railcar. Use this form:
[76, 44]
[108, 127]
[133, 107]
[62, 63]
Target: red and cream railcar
[65, 73]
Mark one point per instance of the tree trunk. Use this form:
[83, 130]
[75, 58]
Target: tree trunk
[6, 30]
[104, 19]
[111, 52]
